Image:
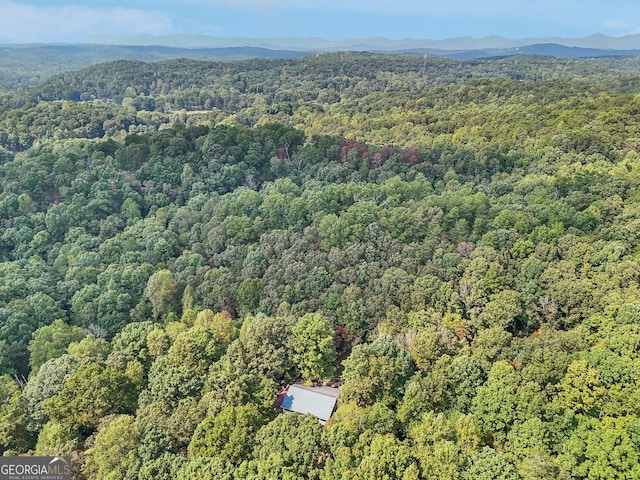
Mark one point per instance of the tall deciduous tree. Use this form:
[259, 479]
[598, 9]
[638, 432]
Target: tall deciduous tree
[288, 447]
[162, 291]
[91, 393]
[229, 435]
[14, 436]
[314, 348]
[51, 341]
[376, 372]
[114, 454]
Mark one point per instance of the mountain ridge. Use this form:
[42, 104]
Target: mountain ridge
[542, 49]
[599, 41]
[32, 64]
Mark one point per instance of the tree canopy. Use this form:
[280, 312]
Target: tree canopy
[452, 244]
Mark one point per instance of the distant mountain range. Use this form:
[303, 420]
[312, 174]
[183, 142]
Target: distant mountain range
[546, 49]
[94, 53]
[598, 41]
[30, 64]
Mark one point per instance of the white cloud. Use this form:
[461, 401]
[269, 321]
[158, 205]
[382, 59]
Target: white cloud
[414, 7]
[27, 23]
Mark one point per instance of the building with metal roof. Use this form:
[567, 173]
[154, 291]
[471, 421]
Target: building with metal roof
[317, 401]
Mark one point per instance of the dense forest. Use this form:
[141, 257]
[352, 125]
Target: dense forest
[454, 244]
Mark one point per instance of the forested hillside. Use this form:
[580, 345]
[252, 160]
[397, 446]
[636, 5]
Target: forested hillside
[32, 64]
[454, 243]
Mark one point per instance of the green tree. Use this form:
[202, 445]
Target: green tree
[158, 342]
[167, 428]
[213, 467]
[424, 392]
[262, 348]
[288, 447]
[313, 346]
[20, 318]
[44, 384]
[88, 395]
[581, 390]
[57, 439]
[166, 467]
[51, 341]
[197, 349]
[90, 348]
[529, 442]
[229, 435]
[114, 455]
[501, 310]
[221, 323]
[465, 376]
[428, 344]
[376, 372]
[248, 295]
[132, 341]
[169, 383]
[229, 389]
[162, 291]
[14, 436]
[601, 449]
[496, 402]
[384, 458]
[487, 464]
[435, 446]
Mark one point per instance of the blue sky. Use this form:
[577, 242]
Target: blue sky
[30, 21]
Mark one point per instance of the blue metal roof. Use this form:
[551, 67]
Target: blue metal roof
[318, 401]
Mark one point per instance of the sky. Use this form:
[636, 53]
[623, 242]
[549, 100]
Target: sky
[74, 21]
